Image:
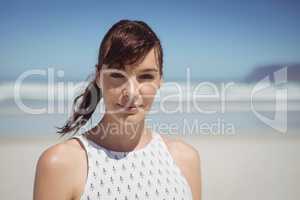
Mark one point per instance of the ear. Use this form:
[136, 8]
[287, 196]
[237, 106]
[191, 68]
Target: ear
[98, 78]
[161, 81]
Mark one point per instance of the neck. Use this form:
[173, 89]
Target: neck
[120, 136]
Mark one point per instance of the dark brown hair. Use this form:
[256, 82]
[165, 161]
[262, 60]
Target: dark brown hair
[126, 43]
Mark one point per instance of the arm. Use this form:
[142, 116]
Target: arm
[193, 173]
[188, 160]
[53, 175]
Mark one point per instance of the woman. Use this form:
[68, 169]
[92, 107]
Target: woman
[120, 158]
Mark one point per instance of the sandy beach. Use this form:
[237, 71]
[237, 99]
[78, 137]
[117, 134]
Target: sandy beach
[233, 167]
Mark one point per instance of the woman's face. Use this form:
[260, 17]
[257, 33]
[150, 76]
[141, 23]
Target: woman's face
[128, 94]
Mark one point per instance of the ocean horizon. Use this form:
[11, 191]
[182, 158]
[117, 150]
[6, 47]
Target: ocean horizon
[184, 108]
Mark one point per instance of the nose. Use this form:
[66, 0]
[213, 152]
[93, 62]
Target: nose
[131, 91]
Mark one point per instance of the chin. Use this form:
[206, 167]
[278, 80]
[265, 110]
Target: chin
[135, 117]
[124, 117]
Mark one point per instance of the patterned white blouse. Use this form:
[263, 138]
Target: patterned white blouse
[147, 173]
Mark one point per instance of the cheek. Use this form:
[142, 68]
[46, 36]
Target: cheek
[148, 92]
[110, 95]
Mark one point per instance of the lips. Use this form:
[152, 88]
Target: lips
[130, 107]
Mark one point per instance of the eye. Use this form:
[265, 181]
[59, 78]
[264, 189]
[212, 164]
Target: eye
[116, 75]
[146, 76]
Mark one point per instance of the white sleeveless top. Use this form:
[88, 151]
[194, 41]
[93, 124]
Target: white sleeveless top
[147, 173]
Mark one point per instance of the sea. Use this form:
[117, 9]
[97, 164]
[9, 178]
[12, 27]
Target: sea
[182, 108]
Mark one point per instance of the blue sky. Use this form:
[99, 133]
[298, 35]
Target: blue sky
[215, 39]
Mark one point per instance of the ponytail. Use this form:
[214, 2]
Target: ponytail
[84, 106]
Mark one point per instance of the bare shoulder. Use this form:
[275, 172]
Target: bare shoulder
[61, 155]
[57, 171]
[180, 149]
[187, 158]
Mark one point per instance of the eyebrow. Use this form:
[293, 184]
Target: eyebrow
[141, 71]
[149, 70]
